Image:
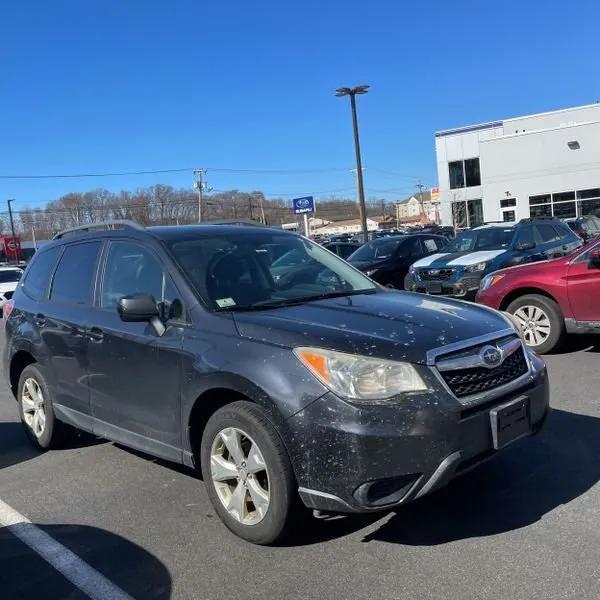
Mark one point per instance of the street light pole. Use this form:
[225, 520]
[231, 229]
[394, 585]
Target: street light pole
[12, 228]
[352, 92]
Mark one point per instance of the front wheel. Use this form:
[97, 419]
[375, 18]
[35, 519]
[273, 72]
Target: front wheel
[541, 321]
[248, 474]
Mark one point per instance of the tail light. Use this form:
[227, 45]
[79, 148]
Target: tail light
[8, 308]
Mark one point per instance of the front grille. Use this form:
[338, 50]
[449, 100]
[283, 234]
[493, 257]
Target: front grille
[435, 274]
[475, 380]
[8, 295]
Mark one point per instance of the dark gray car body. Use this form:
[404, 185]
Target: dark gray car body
[154, 393]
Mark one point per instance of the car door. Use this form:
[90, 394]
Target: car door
[135, 372]
[527, 246]
[410, 251]
[63, 322]
[583, 288]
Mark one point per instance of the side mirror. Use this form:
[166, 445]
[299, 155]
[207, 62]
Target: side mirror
[523, 246]
[136, 308]
[595, 258]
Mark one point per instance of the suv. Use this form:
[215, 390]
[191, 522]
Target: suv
[9, 279]
[178, 341]
[549, 299]
[482, 250]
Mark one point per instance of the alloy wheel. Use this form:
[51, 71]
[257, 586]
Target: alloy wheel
[32, 401]
[535, 324]
[240, 476]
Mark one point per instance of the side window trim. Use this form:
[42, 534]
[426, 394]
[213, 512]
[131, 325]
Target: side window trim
[165, 275]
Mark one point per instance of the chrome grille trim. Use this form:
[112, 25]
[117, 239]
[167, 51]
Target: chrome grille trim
[474, 360]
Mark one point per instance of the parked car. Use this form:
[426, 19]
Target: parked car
[342, 249]
[387, 260]
[447, 232]
[549, 299]
[178, 341]
[586, 227]
[9, 279]
[481, 250]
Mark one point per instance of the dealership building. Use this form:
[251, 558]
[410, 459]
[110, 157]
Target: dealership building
[539, 165]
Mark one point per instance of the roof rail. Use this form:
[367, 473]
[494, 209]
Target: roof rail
[240, 222]
[115, 224]
[540, 218]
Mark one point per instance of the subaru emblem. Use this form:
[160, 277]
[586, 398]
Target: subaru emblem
[491, 356]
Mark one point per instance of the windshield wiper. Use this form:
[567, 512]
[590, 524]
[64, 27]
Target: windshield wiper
[267, 304]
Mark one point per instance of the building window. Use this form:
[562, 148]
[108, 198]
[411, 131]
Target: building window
[472, 174]
[508, 216]
[464, 173]
[565, 205]
[508, 202]
[457, 175]
[467, 213]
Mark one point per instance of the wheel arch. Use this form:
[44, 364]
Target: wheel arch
[525, 291]
[19, 360]
[219, 393]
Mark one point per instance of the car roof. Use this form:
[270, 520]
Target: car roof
[490, 225]
[174, 232]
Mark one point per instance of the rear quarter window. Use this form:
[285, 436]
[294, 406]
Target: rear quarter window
[39, 272]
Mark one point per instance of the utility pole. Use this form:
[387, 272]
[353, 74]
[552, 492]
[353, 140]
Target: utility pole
[202, 186]
[420, 187]
[12, 228]
[359, 89]
[250, 206]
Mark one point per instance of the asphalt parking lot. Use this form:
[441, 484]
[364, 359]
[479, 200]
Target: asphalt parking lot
[524, 525]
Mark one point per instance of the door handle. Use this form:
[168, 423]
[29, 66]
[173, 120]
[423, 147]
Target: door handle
[40, 320]
[95, 334]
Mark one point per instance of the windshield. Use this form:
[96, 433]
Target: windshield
[377, 249]
[10, 275]
[233, 271]
[490, 238]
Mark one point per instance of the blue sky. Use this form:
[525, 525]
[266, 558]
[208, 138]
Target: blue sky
[130, 85]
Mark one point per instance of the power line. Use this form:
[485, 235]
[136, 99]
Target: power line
[179, 170]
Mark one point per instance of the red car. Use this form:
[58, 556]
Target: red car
[551, 298]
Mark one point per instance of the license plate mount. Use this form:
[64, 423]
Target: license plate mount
[510, 421]
[434, 287]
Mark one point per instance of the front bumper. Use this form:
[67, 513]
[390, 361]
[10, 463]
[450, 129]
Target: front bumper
[350, 458]
[466, 286]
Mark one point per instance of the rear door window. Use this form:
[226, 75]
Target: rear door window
[39, 272]
[73, 281]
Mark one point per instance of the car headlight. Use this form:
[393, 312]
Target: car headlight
[360, 378]
[476, 268]
[490, 280]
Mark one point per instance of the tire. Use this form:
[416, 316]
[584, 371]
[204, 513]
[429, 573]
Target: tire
[245, 426]
[549, 331]
[47, 432]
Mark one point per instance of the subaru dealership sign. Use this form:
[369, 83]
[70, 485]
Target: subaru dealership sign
[303, 205]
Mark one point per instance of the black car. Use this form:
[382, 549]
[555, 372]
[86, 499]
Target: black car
[179, 342]
[387, 260]
[342, 249]
[586, 227]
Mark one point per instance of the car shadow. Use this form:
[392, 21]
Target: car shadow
[15, 446]
[513, 490]
[26, 575]
[579, 343]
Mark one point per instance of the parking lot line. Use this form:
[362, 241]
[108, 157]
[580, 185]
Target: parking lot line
[73, 568]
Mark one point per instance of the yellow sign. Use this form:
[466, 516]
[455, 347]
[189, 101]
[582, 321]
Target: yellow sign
[435, 194]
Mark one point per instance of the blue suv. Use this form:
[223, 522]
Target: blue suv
[479, 251]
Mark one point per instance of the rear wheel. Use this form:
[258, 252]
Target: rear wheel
[248, 475]
[541, 321]
[36, 410]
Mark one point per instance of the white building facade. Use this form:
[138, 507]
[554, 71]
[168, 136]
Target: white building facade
[539, 165]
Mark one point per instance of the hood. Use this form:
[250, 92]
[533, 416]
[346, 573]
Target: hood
[396, 325]
[458, 258]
